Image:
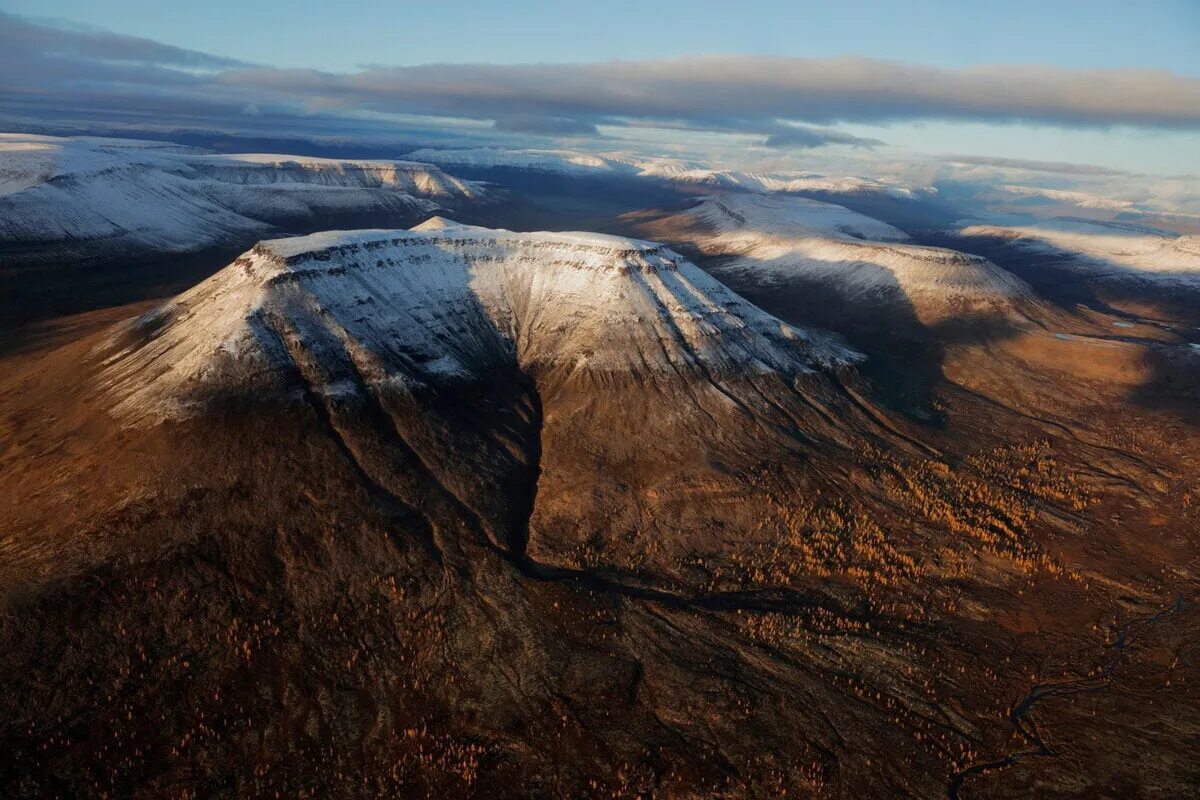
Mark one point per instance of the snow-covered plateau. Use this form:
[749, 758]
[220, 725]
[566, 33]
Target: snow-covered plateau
[575, 163]
[97, 196]
[776, 239]
[448, 302]
[1107, 250]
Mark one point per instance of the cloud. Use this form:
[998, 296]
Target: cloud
[47, 72]
[1059, 167]
[45, 41]
[719, 88]
[800, 137]
[50, 72]
[545, 126]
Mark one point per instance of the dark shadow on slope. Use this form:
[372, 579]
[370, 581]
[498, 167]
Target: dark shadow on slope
[905, 356]
[87, 278]
[1059, 279]
[549, 200]
[543, 200]
[904, 361]
[35, 294]
[1174, 385]
[908, 214]
[91, 275]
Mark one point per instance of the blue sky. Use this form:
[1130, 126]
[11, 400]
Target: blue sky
[343, 35]
[1142, 122]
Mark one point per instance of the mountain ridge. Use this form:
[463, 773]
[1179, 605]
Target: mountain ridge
[777, 240]
[445, 301]
[96, 198]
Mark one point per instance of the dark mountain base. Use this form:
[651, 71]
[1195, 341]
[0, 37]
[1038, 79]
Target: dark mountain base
[354, 598]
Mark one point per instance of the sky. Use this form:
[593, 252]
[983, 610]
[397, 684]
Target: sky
[342, 36]
[1109, 83]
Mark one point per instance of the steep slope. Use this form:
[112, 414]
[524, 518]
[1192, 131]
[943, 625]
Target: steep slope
[401, 317]
[449, 302]
[775, 240]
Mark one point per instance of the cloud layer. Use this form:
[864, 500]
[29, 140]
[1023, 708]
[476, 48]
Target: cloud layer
[1060, 167]
[801, 137]
[46, 70]
[545, 126]
[725, 88]
[46, 42]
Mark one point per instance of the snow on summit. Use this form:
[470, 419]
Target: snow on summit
[1108, 249]
[104, 197]
[669, 170]
[758, 217]
[777, 239]
[447, 302]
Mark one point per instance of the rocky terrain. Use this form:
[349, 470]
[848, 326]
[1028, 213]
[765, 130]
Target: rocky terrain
[463, 512]
[599, 401]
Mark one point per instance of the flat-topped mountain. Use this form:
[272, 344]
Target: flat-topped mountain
[792, 241]
[447, 302]
[1107, 251]
[98, 198]
[455, 511]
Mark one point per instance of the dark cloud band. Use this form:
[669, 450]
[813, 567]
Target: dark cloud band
[732, 87]
[89, 70]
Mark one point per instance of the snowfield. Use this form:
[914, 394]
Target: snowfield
[113, 196]
[567, 162]
[578, 164]
[777, 239]
[445, 301]
[1109, 250]
[780, 182]
[756, 218]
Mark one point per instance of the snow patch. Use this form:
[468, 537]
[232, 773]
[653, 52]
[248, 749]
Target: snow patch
[1107, 249]
[112, 195]
[447, 302]
[570, 162]
[774, 239]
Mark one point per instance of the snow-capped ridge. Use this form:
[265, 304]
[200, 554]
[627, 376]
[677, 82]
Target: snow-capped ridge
[669, 170]
[256, 169]
[101, 197]
[1107, 250]
[328, 243]
[448, 302]
[789, 217]
[776, 239]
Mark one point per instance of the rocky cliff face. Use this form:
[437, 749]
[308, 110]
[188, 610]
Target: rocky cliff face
[616, 349]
